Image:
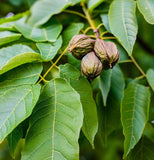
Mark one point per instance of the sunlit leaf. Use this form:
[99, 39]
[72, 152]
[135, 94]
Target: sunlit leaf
[56, 120]
[49, 33]
[47, 9]
[13, 56]
[146, 7]
[123, 23]
[25, 74]
[7, 36]
[16, 104]
[48, 50]
[134, 114]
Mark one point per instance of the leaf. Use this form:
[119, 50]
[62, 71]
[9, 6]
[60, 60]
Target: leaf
[16, 55]
[90, 121]
[105, 20]
[16, 104]
[146, 7]
[69, 32]
[82, 86]
[25, 74]
[109, 117]
[122, 21]
[7, 37]
[13, 140]
[47, 9]
[56, 120]
[104, 84]
[48, 50]
[8, 23]
[149, 131]
[49, 33]
[92, 4]
[150, 75]
[69, 72]
[143, 150]
[134, 114]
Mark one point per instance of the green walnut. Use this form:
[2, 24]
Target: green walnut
[80, 45]
[91, 66]
[107, 53]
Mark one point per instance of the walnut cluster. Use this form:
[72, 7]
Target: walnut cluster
[95, 55]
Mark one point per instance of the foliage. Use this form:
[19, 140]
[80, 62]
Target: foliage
[48, 110]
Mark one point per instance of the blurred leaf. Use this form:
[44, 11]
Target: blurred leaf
[134, 114]
[149, 131]
[105, 20]
[104, 81]
[92, 4]
[49, 33]
[16, 104]
[150, 78]
[146, 7]
[69, 32]
[69, 72]
[142, 151]
[56, 120]
[7, 36]
[47, 9]
[17, 2]
[123, 23]
[82, 86]
[48, 50]
[13, 140]
[16, 55]
[24, 74]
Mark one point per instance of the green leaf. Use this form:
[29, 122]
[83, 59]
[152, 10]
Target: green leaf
[143, 150]
[109, 117]
[150, 78]
[69, 72]
[48, 50]
[47, 9]
[105, 20]
[146, 7]
[49, 33]
[149, 131]
[134, 114]
[90, 121]
[16, 104]
[57, 119]
[13, 140]
[104, 84]
[8, 23]
[92, 4]
[69, 32]
[123, 23]
[7, 37]
[82, 86]
[25, 74]
[16, 55]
